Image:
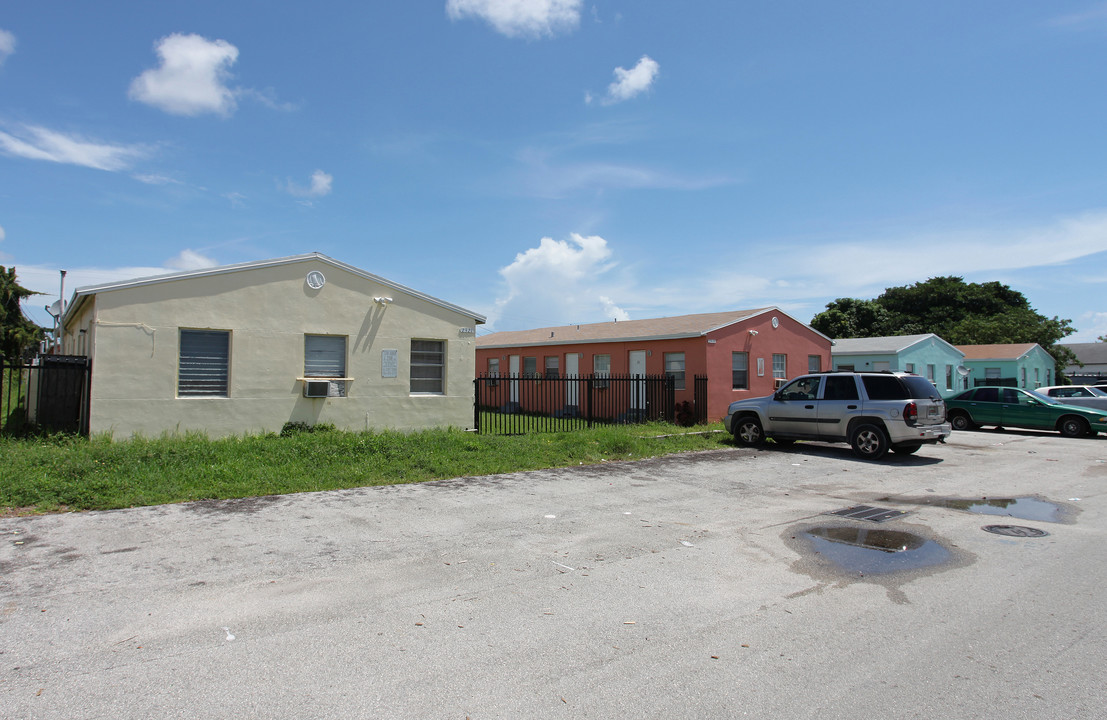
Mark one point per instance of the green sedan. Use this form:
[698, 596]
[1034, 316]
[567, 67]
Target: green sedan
[1012, 407]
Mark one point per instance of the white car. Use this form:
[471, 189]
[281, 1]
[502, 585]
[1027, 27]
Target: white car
[1085, 395]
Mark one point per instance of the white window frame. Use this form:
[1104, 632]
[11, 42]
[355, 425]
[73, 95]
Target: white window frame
[422, 357]
[203, 368]
[740, 363]
[780, 366]
[674, 366]
[325, 359]
[601, 368]
[551, 366]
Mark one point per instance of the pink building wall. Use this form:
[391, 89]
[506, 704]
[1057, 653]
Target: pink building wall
[701, 357]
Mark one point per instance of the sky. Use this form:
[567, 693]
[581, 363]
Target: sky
[551, 162]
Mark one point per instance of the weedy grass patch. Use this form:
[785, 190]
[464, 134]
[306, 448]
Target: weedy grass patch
[60, 472]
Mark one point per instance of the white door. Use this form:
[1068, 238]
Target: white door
[572, 367]
[513, 382]
[637, 363]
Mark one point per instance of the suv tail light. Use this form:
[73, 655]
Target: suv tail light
[911, 413]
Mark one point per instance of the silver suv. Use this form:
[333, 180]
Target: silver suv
[872, 411]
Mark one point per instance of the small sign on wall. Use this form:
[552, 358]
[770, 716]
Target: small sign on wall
[390, 363]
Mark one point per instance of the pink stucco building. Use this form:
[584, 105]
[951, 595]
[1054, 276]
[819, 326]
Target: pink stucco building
[743, 353]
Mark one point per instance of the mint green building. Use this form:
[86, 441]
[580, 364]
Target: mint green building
[1024, 365]
[927, 355]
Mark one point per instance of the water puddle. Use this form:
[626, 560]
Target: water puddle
[871, 551]
[1024, 508]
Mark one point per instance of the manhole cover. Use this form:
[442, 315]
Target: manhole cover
[1015, 531]
[867, 512]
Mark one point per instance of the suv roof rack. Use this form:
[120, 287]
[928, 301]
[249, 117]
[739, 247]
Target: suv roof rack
[858, 372]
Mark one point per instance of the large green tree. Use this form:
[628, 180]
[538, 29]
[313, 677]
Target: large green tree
[960, 313]
[16, 332]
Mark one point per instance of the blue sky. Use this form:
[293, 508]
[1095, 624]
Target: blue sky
[547, 162]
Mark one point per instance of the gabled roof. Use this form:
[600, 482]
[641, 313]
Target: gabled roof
[890, 345]
[1089, 353]
[668, 328]
[1008, 351]
[89, 290]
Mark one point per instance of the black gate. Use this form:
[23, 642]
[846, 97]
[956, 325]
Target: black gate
[50, 393]
[510, 405]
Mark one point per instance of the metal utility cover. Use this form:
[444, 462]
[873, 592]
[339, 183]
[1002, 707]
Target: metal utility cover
[868, 512]
[1015, 531]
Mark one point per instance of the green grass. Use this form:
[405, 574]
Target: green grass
[13, 392]
[61, 472]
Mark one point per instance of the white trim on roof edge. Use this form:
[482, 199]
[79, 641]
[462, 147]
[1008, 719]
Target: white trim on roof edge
[925, 336]
[645, 338]
[89, 290]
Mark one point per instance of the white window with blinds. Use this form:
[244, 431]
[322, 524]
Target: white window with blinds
[325, 357]
[674, 366]
[428, 367]
[204, 363]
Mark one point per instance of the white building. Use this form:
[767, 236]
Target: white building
[249, 347]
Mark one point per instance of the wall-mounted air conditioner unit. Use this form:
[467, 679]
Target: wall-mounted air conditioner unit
[317, 388]
[779, 383]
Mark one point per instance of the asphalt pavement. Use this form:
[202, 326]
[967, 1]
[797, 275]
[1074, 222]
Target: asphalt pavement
[711, 584]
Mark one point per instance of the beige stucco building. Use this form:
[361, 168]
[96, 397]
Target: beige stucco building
[247, 348]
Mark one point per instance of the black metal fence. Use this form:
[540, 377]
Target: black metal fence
[996, 382]
[51, 393]
[513, 405]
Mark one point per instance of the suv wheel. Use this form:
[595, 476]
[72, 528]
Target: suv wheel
[748, 432]
[868, 441]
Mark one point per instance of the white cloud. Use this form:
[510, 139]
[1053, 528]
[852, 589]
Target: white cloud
[189, 259]
[633, 82]
[562, 282]
[39, 143]
[151, 179]
[559, 282]
[320, 185]
[551, 179]
[1093, 325]
[2, 233]
[46, 279]
[1094, 15]
[191, 79]
[520, 18]
[7, 45]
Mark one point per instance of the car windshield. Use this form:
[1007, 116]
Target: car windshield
[1096, 391]
[1042, 398]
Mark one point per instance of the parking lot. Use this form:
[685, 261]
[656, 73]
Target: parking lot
[711, 584]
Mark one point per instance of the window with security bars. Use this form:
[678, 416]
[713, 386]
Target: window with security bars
[325, 357]
[428, 366]
[204, 364]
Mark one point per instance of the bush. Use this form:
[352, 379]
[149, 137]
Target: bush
[299, 428]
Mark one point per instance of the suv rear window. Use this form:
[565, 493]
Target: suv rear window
[884, 387]
[919, 387]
